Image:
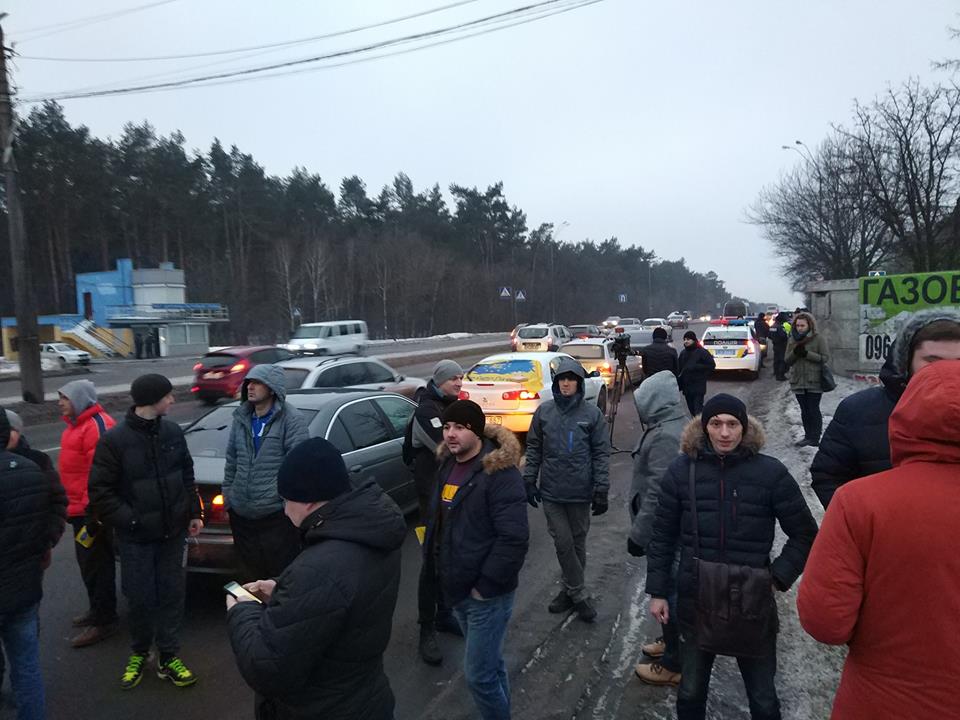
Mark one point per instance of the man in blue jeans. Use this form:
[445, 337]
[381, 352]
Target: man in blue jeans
[33, 520]
[478, 532]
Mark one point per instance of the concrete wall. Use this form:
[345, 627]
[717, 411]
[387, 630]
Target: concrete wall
[835, 305]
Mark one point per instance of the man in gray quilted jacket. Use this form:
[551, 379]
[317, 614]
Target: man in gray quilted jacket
[265, 428]
[568, 456]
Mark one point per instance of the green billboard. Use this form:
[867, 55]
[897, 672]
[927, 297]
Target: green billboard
[887, 301]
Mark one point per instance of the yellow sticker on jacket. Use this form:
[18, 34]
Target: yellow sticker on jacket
[449, 492]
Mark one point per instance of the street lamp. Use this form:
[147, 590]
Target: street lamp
[808, 158]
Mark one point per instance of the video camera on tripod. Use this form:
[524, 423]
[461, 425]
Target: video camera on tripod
[621, 346]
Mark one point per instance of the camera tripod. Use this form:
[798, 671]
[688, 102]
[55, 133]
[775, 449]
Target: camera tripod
[621, 382]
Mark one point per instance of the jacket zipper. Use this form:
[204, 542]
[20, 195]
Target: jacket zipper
[734, 508]
[723, 540]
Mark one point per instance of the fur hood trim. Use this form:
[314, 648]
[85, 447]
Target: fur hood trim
[693, 440]
[505, 453]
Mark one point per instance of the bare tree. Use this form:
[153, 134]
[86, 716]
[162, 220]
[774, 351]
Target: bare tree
[821, 217]
[906, 145]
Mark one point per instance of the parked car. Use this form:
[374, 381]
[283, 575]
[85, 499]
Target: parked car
[678, 320]
[334, 337]
[510, 386]
[64, 354]
[367, 427]
[586, 331]
[595, 354]
[220, 374]
[541, 337]
[652, 324]
[610, 323]
[364, 373]
[734, 348]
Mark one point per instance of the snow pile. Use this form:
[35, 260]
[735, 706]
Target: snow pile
[12, 368]
[433, 338]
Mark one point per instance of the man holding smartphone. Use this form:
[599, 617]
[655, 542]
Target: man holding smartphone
[313, 646]
[141, 484]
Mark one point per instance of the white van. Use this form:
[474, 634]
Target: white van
[334, 337]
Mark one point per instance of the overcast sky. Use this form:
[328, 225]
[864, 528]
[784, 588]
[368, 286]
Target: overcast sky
[654, 122]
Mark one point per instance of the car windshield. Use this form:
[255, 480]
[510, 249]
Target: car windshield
[507, 370]
[584, 352]
[294, 378]
[208, 436]
[532, 332]
[305, 332]
[218, 359]
[581, 328]
[61, 347]
[652, 322]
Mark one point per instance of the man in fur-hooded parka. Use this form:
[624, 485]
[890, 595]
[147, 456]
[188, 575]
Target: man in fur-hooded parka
[740, 495]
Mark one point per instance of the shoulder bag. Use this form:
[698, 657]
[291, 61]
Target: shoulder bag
[736, 613]
[827, 382]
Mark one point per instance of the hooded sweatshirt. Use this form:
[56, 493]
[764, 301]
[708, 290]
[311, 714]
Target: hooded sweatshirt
[663, 412]
[568, 444]
[250, 472]
[315, 650]
[884, 572]
[79, 441]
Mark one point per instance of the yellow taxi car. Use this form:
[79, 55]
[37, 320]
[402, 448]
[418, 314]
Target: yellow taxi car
[510, 386]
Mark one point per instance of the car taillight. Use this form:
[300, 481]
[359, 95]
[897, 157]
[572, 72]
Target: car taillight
[239, 367]
[198, 366]
[751, 347]
[217, 501]
[605, 367]
[463, 395]
[520, 395]
[195, 388]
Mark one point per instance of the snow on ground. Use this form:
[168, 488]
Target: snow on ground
[12, 368]
[445, 336]
[808, 672]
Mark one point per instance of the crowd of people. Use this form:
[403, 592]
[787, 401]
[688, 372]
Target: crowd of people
[321, 554]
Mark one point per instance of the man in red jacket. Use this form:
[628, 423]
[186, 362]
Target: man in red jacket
[86, 422]
[884, 571]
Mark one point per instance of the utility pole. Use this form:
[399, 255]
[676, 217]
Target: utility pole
[28, 341]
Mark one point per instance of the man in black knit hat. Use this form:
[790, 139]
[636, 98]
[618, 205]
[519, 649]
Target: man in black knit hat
[141, 484]
[314, 647]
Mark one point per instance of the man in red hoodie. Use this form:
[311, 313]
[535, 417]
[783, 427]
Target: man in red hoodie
[884, 571]
[86, 422]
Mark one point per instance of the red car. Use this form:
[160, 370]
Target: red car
[220, 374]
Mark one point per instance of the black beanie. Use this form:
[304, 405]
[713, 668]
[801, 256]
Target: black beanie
[724, 404]
[150, 389]
[313, 472]
[466, 413]
[690, 335]
[659, 334]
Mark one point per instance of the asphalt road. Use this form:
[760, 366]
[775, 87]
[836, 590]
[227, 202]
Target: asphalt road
[559, 668]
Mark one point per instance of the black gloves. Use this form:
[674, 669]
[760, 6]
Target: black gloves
[533, 495]
[599, 504]
[634, 549]
[800, 351]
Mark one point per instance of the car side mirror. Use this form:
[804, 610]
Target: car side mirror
[595, 373]
[400, 378]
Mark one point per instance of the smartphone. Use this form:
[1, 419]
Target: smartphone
[239, 592]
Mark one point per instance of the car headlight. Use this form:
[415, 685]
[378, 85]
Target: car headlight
[310, 346]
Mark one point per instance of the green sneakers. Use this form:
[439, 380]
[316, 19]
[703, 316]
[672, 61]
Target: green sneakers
[176, 672]
[133, 673]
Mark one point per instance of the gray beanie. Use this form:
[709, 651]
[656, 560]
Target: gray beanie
[445, 370]
[904, 346]
[16, 422]
[82, 394]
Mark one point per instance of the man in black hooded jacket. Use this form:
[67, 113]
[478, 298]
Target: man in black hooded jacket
[314, 648]
[856, 443]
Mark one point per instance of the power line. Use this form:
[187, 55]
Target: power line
[60, 27]
[270, 46]
[557, 6]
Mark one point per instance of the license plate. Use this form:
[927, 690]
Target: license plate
[726, 351]
[495, 419]
[212, 375]
[531, 346]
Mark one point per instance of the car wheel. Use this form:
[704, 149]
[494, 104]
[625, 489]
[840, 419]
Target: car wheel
[62, 362]
[754, 374]
[208, 400]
